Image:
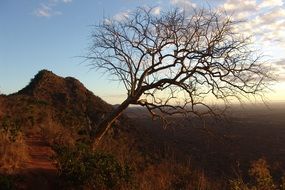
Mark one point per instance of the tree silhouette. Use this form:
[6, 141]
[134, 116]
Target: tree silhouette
[172, 62]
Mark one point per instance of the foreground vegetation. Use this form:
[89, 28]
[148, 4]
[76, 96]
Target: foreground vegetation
[116, 166]
[81, 167]
[128, 158]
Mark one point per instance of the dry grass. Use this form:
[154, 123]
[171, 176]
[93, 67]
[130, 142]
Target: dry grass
[12, 153]
[260, 178]
[54, 133]
[166, 174]
[159, 171]
[123, 147]
[170, 175]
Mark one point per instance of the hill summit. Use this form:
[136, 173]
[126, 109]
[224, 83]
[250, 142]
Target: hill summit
[63, 92]
[56, 101]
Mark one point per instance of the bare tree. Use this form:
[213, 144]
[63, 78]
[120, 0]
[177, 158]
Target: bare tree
[172, 62]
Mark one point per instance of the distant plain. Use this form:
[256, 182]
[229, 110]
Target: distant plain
[247, 133]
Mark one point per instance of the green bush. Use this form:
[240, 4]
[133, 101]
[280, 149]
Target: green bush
[260, 178]
[82, 167]
[260, 174]
[238, 184]
[282, 186]
[6, 182]
[11, 127]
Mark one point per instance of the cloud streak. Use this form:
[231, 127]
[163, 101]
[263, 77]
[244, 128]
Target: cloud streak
[122, 15]
[278, 67]
[270, 3]
[48, 9]
[185, 4]
[264, 19]
[156, 10]
[67, 1]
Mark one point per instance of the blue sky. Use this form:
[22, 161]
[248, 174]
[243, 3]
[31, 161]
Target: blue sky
[53, 34]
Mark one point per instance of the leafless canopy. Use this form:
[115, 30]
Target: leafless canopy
[172, 62]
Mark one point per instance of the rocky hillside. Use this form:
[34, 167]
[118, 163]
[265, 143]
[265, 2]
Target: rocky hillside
[65, 94]
[55, 103]
[49, 98]
[50, 110]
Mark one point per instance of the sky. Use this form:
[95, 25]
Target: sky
[55, 34]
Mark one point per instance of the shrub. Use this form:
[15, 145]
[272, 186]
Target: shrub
[13, 149]
[10, 127]
[54, 133]
[172, 174]
[82, 167]
[12, 153]
[260, 174]
[260, 178]
[238, 184]
[282, 186]
[6, 182]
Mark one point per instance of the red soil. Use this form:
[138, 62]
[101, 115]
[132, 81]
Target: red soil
[39, 172]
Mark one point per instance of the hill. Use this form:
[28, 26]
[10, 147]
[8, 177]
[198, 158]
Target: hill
[50, 110]
[65, 93]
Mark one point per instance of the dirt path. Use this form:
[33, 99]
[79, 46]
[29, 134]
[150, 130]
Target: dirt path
[39, 172]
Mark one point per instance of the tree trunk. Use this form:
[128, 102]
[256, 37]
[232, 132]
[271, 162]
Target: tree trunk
[105, 124]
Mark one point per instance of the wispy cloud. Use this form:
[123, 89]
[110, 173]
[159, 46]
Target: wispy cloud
[122, 15]
[48, 9]
[156, 10]
[270, 3]
[67, 1]
[253, 8]
[240, 10]
[264, 20]
[281, 63]
[185, 4]
[278, 67]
